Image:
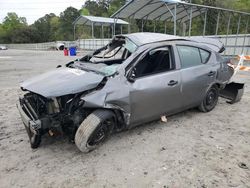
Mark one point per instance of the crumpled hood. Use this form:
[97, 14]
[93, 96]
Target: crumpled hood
[62, 81]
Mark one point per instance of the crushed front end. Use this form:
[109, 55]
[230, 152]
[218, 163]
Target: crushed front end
[59, 115]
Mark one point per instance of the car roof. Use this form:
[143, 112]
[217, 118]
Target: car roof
[144, 38]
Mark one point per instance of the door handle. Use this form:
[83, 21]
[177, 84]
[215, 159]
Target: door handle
[172, 82]
[211, 73]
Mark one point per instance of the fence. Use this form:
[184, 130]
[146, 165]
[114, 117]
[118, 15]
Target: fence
[42, 46]
[92, 44]
[235, 44]
[32, 46]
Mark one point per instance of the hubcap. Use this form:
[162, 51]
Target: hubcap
[211, 98]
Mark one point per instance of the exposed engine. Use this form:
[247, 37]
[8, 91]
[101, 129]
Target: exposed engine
[62, 114]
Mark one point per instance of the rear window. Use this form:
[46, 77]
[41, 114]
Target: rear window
[192, 56]
[204, 55]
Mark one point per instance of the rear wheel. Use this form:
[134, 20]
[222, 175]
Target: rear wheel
[210, 100]
[94, 130]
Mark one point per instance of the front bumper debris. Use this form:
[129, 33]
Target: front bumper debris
[31, 125]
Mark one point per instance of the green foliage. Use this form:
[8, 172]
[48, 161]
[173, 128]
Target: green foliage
[24, 34]
[50, 27]
[45, 28]
[65, 23]
[84, 12]
[11, 24]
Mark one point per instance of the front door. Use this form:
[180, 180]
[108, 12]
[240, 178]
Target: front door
[156, 89]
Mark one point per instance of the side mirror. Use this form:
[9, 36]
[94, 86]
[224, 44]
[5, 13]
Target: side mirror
[131, 75]
[59, 66]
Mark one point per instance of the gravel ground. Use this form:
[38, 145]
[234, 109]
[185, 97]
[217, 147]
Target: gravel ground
[192, 149]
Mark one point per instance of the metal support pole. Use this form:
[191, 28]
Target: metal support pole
[175, 6]
[217, 24]
[228, 27]
[236, 40]
[190, 21]
[154, 25]
[244, 41]
[165, 29]
[142, 25]
[184, 28]
[74, 32]
[112, 32]
[173, 15]
[102, 32]
[115, 20]
[205, 23]
[129, 27]
[92, 26]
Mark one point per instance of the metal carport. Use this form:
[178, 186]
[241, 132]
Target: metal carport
[99, 21]
[175, 11]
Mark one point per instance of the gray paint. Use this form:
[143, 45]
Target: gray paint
[62, 81]
[150, 97]
[147, 38]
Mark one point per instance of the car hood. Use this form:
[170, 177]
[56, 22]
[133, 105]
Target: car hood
[62, 81]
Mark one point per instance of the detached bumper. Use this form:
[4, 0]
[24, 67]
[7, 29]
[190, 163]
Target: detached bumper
[233, 92]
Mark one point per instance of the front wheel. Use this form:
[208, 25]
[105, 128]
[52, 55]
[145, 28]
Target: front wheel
[210, 100]
[94, 130]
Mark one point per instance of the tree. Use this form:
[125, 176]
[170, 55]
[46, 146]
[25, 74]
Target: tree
[25, 35]
[66, 19]
[114, 5]
[84, 12]
[44, 27]
[11, 23]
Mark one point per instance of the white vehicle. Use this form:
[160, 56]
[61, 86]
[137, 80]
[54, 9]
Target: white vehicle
[3, 47]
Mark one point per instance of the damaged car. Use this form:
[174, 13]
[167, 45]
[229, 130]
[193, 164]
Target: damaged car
[134, 79]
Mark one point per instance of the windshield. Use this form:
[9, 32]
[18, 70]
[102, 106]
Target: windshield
[107, 59]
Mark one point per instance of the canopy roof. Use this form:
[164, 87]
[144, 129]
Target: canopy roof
[164, 10]
[88, 20]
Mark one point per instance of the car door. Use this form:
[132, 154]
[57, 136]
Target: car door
[155, 90]
[197, 74]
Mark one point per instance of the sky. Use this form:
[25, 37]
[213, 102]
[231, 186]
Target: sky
[34, 9]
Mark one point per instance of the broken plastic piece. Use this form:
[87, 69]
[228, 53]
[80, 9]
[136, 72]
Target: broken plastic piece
[164, 119]
[233, 91]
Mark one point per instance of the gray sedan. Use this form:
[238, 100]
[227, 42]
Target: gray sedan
[134, 79]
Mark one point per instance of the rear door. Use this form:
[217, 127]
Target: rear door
[197, 74]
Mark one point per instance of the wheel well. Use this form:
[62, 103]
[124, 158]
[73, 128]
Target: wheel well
[119, 117]
[219, 85]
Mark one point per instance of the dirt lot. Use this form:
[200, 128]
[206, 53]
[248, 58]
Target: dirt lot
[192, 149]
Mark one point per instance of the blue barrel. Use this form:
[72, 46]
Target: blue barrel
[72, 51]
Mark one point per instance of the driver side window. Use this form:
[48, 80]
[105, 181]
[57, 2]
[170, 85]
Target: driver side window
[156, 61]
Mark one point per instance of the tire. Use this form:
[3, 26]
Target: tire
[210, 100]
[100, 123]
